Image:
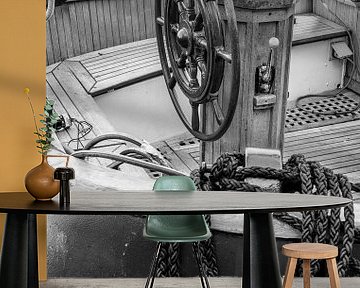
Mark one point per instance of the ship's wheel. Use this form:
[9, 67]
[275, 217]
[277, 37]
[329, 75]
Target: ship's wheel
[194, 52]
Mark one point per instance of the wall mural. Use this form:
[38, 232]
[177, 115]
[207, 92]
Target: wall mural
[105, 75]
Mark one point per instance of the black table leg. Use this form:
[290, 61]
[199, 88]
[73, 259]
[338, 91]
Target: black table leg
[261, 264]
[19, 267]
[33, 272]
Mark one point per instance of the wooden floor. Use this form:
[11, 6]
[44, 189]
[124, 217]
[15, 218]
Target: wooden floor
[223, 282]
[335, 146]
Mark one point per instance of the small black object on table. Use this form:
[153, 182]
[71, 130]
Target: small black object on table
[64, 174]
[261, 268]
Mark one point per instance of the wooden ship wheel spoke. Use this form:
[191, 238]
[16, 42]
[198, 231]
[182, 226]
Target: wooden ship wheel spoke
[194, 52]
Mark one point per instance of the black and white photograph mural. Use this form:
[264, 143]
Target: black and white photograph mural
[257, 96]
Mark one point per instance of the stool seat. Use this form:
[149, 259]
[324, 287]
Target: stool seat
[310, 250]
[306, 252]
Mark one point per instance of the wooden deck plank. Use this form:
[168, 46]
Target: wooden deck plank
[67, 30]
[135, 20]
[188, 160]
[129, 65]
[83, 101]
[117, 60]
[118, 52]
[74, 23]
[64, 98]
[347, 170]
[344, 160]
[348, 152]
[61, 34]
[119, 56]
[94, 25]
[49, 47]
[92, 56]
[121, 20]
[101, 23]
[88, 35]
[114, 22]
[128, 23]
[332, 135]
[142, 23]
[321, 145]
[312, 134]
[81, 28]
[319, 153]
[108, 24]
[149, 19]
[173, 159]
[81, 73]
[65, 135]
[123, 80]
[310, 28]
[53, 39]
[323, 129]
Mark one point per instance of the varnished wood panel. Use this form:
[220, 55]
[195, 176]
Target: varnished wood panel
[78, 27]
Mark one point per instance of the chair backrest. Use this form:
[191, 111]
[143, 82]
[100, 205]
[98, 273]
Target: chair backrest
[163, 226]
[174, 183]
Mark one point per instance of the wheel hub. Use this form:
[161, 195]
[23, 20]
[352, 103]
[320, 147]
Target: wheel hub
[184, 37]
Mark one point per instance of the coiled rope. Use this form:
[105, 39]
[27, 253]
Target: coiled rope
[298, 176]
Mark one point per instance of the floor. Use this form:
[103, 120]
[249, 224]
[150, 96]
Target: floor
[334, 146]
[223, 282]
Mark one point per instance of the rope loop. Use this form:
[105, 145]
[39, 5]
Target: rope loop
[297, 176]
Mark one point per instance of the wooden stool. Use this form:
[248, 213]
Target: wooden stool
[308, 251]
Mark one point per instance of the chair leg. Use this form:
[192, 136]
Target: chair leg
[202, 274]
[306, 273]
[289, 274]
[154, 264]
[333, 273]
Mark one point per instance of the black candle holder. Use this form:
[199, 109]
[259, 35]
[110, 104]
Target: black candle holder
[64, 174]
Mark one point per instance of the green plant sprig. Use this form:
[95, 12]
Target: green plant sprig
[49, 119]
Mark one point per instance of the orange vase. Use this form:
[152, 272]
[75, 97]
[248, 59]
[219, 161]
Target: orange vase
[40, 183]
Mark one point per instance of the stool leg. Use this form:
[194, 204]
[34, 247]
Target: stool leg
[333, 273]
[289, 274]
[306, 273]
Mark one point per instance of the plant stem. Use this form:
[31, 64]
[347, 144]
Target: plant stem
[34, 117]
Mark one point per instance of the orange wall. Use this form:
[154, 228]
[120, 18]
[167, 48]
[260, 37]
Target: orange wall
[22, 64]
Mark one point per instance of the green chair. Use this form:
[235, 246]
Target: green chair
[176, 228]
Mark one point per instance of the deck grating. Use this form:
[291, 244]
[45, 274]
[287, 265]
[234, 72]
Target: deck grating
[335, 146]
[311, 114]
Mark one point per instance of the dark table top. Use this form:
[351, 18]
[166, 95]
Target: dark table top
[169, 202]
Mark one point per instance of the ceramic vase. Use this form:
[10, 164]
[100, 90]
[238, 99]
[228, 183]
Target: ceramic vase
[40, 183]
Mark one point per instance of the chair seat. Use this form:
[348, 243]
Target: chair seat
[310, 250]
[176, 228]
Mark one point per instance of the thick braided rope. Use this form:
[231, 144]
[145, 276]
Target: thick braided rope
[334, 190]
[173, 260]
[311, 178]
[321, 218]
[162, 269]
[206, 248]
[348, 237]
